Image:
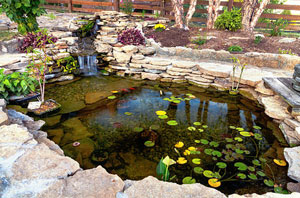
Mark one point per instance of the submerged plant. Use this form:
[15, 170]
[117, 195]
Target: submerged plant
[236, 64]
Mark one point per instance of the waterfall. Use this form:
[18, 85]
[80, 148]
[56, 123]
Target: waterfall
[88, 65]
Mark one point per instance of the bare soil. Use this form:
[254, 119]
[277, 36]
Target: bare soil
[173, 37]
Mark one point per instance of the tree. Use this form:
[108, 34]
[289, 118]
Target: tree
[180, 20]
[251, 13]
[212, 10]
[23, 12]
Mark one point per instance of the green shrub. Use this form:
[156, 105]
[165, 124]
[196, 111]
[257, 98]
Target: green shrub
[23, 12]
[235, 48]
[258, 39]
[229, 20]
[201, 40]
[16, 84]
[277, 26]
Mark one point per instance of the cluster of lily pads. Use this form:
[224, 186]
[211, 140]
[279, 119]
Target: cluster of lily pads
[236, 158]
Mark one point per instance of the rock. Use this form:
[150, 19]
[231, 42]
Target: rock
[70, 40]
[292, 156]
[292, 123]
[184, 64]
[151, 187]
[21, 119]
[287, 40]
[130, 49]
[259, 35]
[91, 183]
[150, 76]
[249, 93]
[93, 97]
[275, 107]
[147, 50]
[56, 134]
[154, 67]
[214, 69]
[17, 108]
[102, 48]
[293, 187]
[138, 57]
[34, 105]
[292, 136]
[159, 61]
[60, 56]
[3, 117]
[62, 78]
[2, 103]
[12, 139]
[260, 87]
[267, 195]
[52, 121]
[122, 57]
[109, 40]
[199, 79]
[42, 163]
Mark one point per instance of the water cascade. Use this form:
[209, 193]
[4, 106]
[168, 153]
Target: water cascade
[88, 65]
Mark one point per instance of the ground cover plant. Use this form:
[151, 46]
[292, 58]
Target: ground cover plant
[131, 37]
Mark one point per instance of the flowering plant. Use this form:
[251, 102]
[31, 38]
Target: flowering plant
[127, 6]
[131, 37]
[159, 27]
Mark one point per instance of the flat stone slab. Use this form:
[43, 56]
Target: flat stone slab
[215, 69]
[283, 87]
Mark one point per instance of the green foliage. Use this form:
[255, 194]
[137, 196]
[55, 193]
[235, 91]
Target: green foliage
[229, 20]
[51, 16]
[143, 13]
[127, 7]
[277, 27]
[237, 64]
[200, 40]
[235, 48]
[157, 14]
[86, 28]
[16, 84]
[289, 52]
[68, 64]
[258, 40]
[23, 12]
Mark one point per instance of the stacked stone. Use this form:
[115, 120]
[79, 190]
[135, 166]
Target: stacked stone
[296, 77]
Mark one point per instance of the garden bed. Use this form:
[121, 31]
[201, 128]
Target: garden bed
[221, 40]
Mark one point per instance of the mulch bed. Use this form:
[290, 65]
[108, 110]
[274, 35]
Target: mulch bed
[173, 37]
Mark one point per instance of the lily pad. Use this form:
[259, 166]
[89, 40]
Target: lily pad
[251, 168]
[149, 143]
[188, 180]
[221, 165]
[239, 151]
[204, 141]
[239, 129]
[154, 127]
[229, 140]
[128, 113]
[160, 113]
[172, 122]
[208, 151]
[111, 97]
[256, 162]
[197, 141]
[252, 176]
[239, 139]
[232, 127]
[197, 123]
[245, 133]
[205, 126]
[198, 170]
[200, 130]
[138, 129]
[242, 176]
[176, 101]
[163, 117]
[196, 161]
[191, 128]
[208, 173]
[257, 127]
[280, 162]
[214, 144]
[214, 183]
[280, 190]
[269, 182]
[241, 166]
[216, 153]
[260, 173]
[257, 136]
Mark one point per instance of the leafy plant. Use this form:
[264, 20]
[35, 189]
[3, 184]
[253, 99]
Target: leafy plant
[157, 14]
[200, 40]
[51, 16]
[289, 52]
[24, 13]
[127, 6]
[68, 64]
[229, 20]
[277, 26]
[85, 29]
[143, 13]
[38, 65]
[237, 64]
[162, 169]
[16, 84]
[235, 48]
[131, 37]
[258, 40]
[35, 40]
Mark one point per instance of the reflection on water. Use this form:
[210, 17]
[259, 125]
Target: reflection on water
[107, 135]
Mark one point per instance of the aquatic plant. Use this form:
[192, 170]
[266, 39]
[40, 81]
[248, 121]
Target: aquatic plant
[162, 169]
[236, 64]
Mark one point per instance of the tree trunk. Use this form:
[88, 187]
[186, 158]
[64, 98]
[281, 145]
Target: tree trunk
[212, 10]
[178, 12]
[251, 14]
[191, 12]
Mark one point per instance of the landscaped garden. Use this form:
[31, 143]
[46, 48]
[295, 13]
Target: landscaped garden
[171, 107]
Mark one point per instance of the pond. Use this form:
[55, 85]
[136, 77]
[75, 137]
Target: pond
[129, 126]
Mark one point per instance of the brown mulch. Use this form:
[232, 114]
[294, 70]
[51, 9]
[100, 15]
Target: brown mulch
[173, 37]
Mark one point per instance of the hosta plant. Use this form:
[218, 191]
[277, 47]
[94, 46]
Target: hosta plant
[131, 37]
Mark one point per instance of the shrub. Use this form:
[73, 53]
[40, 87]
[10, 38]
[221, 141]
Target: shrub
[235, 48]
[277, 26]
[258, 39]
[131, 37]
[16, 84]
[126, 6]
[23, 12]
[229, 20]
[200, 40]
[32, 40]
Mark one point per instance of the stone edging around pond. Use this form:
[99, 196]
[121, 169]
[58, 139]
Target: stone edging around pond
[30, 163]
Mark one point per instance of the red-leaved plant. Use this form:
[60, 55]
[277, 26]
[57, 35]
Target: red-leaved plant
[131, 37]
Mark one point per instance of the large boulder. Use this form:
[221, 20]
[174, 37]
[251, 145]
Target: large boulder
[151, 187]
[292, 156]
[275, 107]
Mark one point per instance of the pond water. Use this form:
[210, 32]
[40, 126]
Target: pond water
[127, 137]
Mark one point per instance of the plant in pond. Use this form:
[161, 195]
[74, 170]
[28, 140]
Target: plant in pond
[236, 64]
[68, 64]
[162, 169]
[16, 83]
[131, 37]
